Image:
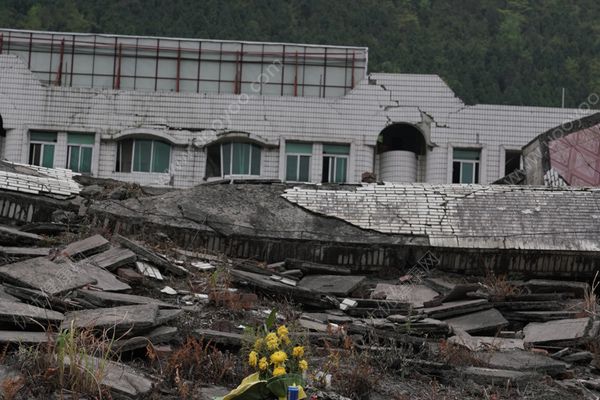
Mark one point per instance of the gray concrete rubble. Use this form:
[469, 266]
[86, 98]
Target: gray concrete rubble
[151, 293]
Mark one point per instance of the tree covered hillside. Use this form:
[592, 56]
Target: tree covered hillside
[489, 51]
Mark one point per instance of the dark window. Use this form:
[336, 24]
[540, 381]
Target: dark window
[512, 161]
[335, 163]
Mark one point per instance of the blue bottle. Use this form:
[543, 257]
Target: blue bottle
[293, 393]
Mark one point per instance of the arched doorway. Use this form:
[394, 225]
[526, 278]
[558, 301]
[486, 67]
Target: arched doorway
[398, 148]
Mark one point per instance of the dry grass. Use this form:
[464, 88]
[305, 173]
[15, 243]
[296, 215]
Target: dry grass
[74, 363]
[499, 286]
[198, 362]
[590, 299]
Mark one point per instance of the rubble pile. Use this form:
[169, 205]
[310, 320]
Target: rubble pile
[507, 332]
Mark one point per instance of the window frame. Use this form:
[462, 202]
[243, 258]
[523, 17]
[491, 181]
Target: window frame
[476, 177]
[333, 163]
[43, 144]
[133, 152]
[298, 156]
[253, 148]
[80, 146]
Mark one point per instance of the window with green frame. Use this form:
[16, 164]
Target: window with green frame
[335, 163]
[143, 155]
[465, 165]
[297, 164]
[233, 158]
[80, 147]
[41, 148]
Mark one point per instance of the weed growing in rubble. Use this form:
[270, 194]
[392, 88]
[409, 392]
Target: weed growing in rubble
[498, 286]
[590, 300]
[75, 362]
[200, 362]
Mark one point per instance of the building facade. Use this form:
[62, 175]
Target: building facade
[181, 112]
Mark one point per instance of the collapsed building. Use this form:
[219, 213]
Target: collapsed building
[180, 112]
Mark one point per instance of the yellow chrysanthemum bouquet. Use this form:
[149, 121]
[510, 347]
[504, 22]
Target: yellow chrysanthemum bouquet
[278, 362]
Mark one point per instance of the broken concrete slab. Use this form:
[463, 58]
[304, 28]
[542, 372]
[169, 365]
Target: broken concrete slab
[579, 289]
[86, 247]
[540, 316]
[580, 357]
[113, 258]
[480, 343]
[167, 315]
[310, 268]
[23, 337]
[25, 251]
[219, 337]
[151, 256]
[519, 360]
[4, 295]
[499, 377]
[455, 308]
[121, 319]
[458, 292]
[39, 298]
[417, 295]
[148, 270]
[479, 322]
[11, 236]
[109, 299]
[298, 293]
[118, 378]
[104, 279]
[45, 275]
[25, 314]
[161, 334]
[562, 332]
[336, 285]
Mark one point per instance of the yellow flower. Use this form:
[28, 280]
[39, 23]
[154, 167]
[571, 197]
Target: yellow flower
[263, 364]
[282, 331]
[286, 340]
[279, 371]
[303, 365]
[272, 341]
[258, 344]
[298, 351]
[271, 336]
[278, 357]
[253, 358]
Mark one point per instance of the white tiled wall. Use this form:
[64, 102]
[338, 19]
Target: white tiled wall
[186, 118]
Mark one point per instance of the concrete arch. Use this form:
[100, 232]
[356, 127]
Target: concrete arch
[239, 136]
[148, 133]
[399, 147]
[402, 137]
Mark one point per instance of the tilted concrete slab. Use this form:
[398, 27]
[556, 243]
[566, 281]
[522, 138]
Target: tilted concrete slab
[45, 275]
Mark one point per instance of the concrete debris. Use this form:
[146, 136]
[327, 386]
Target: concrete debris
[108, 299]
[20, 314]
[102, 286]
[120, 379]
[488, 321]
[11, 236]
[417, 295]
[120, 319]
[86, 247]
[579, 289]
[562, 332]
[45, 275]
[151, 256]
[333, 284]
[498, 377]
[113, 258]
[168, 290]
[148, 270]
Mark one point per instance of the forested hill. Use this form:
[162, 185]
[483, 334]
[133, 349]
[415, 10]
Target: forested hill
[489, 51]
